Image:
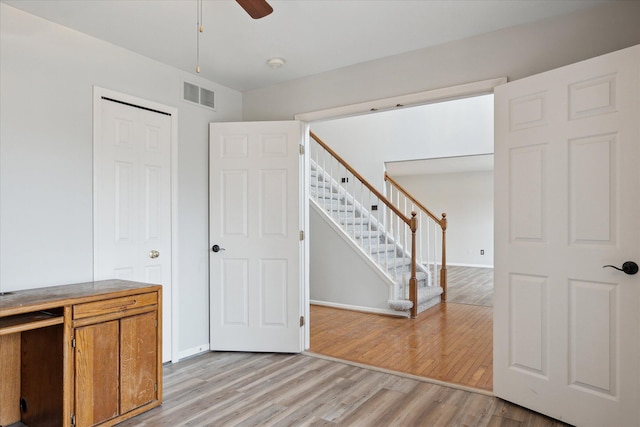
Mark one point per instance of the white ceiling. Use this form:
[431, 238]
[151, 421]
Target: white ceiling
[313, 36]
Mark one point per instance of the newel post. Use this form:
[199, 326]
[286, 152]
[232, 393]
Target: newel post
[443, 268]
[413, 281]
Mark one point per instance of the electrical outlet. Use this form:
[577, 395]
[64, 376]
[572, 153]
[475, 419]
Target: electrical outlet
[374, 207]
[346, 179]
[481, 251]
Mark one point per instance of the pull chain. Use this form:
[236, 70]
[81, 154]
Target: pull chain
[200, 29]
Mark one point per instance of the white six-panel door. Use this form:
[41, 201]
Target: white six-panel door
[567, 202]
[133, 200]
[256, 277]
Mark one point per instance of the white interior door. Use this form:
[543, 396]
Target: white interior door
[257, 277]
[133, 200]
[567, 156]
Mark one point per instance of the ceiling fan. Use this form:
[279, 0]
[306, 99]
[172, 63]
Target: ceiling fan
[256, 8]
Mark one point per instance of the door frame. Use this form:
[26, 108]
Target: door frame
[467, 90]
[98, 93]
[450, 93]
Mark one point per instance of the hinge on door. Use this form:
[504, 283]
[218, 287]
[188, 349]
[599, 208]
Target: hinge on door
[301, 321]
[301, 149]
[73, 420]
[73, 342]
[155, 387]
[156, 322]
[301, 235]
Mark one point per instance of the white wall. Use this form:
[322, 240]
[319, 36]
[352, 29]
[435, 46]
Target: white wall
[453, 128]
[467, 199]
[513, 52]
[338, 275]
[46, 77]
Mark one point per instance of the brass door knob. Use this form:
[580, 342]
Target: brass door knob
[154, 254]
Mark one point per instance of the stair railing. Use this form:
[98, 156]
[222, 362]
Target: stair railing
[349, 193]
[428, 224]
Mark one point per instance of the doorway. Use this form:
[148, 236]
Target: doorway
[395, 124]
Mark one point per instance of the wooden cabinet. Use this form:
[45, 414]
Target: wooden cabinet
[80, 355]
[116, 367]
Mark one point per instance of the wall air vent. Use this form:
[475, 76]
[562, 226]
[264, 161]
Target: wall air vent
[199, 95]
[191, 93]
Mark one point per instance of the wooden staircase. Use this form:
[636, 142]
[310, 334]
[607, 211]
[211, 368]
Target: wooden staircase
[386, 236]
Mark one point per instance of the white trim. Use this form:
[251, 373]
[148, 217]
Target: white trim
[458, 264]
[193, 351]
[403, 101]
[401, 374]
[305, 261]
[98, 93]
[360, 308]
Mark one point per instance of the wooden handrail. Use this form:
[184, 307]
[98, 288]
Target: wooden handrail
[371, 188]
[442, 222]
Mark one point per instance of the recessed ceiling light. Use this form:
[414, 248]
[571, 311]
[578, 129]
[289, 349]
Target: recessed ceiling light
[275, 62]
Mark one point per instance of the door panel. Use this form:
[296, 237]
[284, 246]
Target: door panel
[567, 331]
[257, 284]
[235, 198]
[592, 171]
[235, 292]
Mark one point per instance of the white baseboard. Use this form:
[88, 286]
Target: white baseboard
[193, 351]
[459, 264]
[359, 308]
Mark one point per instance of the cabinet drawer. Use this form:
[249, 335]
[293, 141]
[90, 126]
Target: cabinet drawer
[114, 305]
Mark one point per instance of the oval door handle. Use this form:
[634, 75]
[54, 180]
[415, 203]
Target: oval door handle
[628, 267]
[154, 254]
[216, 248]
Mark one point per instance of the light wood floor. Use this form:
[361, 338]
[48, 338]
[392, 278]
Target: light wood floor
[249, 389]
[449, 342]
[470, 285]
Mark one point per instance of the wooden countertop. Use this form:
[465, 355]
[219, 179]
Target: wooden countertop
[28, 300]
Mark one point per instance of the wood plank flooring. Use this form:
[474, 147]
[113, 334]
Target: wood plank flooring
[265, 389]
[452, 343]
[470, 285]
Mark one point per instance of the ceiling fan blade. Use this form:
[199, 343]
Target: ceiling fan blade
[256, 8]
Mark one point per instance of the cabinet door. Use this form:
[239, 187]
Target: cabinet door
[97, 373]
[138, 360]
